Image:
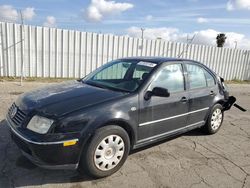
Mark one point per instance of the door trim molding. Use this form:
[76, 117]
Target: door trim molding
[172, 117]
[170, 132]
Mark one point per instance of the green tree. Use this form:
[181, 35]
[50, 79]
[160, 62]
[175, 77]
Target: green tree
[221, 39]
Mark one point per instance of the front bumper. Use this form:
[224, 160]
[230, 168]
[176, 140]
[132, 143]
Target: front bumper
[51, 155]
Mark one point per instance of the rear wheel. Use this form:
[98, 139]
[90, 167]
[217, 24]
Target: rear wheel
[214, 120]
[106, 152]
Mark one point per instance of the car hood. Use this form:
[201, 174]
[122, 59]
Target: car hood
[60, 99]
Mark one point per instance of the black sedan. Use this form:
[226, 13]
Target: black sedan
[93, 123]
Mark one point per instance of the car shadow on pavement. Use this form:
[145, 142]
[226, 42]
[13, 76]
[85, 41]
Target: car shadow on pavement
[195, 132]
[16, 170]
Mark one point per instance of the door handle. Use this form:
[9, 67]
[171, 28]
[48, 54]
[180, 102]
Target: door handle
[184, 99]
[212, 93]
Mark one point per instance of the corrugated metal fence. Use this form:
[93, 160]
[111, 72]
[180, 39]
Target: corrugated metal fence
[51, 52]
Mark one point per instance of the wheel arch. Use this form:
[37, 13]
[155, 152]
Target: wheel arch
[222, 102]
[126, 126]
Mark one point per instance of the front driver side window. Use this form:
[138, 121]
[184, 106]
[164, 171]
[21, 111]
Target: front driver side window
[169, 77]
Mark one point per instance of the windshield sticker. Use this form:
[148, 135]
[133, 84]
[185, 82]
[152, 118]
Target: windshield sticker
[148, 64]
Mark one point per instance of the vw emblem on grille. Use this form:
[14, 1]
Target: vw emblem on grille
[13, 112]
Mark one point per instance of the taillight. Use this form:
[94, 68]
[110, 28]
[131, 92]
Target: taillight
[223, 84]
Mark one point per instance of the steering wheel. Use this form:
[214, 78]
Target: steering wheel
[127, 84]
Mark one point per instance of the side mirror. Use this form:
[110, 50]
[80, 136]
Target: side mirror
[157, 91]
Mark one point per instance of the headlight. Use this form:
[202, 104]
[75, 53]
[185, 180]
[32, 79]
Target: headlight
[40, 124]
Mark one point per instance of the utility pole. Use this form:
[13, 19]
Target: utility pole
[236, 44]
[142, 32]
[189, 42]
[22, 48]
[142, 37]
[2, 49]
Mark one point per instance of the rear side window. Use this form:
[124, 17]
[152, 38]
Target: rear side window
[196, 76]
[210, 79]
[199, 77]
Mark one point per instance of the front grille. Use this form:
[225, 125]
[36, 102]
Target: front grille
[16, 115]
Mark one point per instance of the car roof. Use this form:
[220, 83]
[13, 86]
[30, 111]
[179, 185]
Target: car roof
[159, 60]
[156, 60]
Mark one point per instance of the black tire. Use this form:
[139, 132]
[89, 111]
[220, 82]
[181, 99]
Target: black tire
[210, 127]
[87, 163]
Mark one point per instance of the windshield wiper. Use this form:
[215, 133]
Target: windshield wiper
[95, 84]
[105, 87]
[118, 89]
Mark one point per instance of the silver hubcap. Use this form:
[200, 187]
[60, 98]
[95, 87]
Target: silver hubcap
[109, 152]
[216, 119]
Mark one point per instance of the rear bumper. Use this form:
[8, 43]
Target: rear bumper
[51, 155]
[229, 103]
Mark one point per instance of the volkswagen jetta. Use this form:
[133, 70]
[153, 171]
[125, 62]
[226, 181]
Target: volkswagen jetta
[93, 123]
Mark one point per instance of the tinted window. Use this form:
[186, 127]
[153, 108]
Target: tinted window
[141, 72]
[120, 75]
[170, 77]
[196, 76]
[115, 71]
[210, 79]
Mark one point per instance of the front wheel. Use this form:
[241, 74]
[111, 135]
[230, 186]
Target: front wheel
[106, 152]
[214, 120]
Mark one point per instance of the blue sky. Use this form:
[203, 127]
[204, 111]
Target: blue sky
[170, 19]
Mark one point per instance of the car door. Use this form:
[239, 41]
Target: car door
[202, 89]
[160, 116]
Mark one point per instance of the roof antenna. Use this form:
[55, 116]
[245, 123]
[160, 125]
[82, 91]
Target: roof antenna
[189, 42]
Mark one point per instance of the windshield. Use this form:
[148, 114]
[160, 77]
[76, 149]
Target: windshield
[120, 75]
